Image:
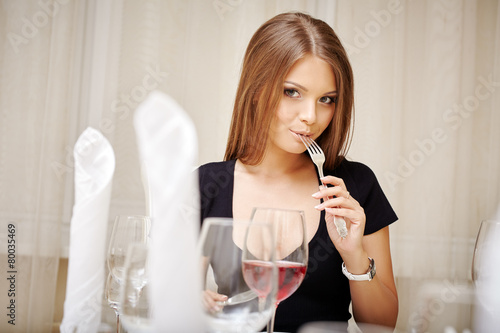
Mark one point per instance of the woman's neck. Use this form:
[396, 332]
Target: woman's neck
[279, 163]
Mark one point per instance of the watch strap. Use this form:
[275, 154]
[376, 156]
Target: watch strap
[368, 276]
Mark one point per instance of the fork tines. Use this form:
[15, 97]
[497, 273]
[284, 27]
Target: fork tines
[311, 144]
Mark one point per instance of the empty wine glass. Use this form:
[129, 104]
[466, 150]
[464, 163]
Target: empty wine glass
[126, 230]
[135, 308]
[291, 249]
[245, 308]
[485, 273]
[112, 296]
[486, 247]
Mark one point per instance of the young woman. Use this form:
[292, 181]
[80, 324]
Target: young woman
[296, 80]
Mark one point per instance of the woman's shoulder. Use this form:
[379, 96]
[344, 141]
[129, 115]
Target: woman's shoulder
[216, 166]
[354, 169]
[217, 172]
[216, 184]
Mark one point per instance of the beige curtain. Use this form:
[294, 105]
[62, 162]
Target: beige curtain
[37, 46]
[428, 123]
[427, 116]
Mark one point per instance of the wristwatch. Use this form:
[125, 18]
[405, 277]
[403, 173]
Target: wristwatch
[362, 277]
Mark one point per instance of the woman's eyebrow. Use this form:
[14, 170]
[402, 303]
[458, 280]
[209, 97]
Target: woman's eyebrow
[298, 85]
[306, 90]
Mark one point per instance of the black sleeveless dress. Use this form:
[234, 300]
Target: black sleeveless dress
[324, 294]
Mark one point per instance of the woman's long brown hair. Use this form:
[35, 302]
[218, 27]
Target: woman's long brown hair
[273, 50]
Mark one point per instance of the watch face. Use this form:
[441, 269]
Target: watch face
[373, 270]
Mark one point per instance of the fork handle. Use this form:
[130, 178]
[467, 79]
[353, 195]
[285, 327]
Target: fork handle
[340, 225]
[321, 175]
[337, 220]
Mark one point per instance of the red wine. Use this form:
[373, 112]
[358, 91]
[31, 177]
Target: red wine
[290, 277]
[258, 274]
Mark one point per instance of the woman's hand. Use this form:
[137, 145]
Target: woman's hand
[212, 301]
[354, 250]
[338, 202]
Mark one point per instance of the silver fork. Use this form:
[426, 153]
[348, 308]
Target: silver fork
[318, 158]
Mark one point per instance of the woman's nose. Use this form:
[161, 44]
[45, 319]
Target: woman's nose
[308, 113]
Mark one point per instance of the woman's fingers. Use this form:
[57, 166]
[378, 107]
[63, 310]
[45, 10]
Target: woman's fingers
[212, 300]
[335, 181]
[355, 217]
[335, 202]
[338, 202]
[330, 192]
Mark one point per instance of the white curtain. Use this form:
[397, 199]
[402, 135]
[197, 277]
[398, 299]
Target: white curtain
[428, 123]
[37, 47]
[427, 80]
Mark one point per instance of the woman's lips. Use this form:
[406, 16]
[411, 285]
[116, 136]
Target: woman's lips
[298, 135]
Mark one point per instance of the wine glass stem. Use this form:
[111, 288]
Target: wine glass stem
[270, 325]
[117, 323]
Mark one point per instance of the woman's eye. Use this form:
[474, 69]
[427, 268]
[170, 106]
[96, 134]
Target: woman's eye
[292, 93]
[328, 100]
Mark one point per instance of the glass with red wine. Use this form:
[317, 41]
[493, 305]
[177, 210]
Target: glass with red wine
[290, 250]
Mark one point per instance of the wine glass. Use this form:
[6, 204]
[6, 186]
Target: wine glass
[485, 273]
[135, 308]
[291, 249]
[487, 245]
[126, 230]
[112, 296]
[220, 246]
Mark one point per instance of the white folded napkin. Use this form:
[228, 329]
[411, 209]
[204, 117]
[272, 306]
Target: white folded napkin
[94, 168]
[167, 144]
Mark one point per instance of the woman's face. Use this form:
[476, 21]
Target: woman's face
[307, 104]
